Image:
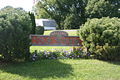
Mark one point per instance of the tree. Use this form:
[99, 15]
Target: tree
[71, 22]
[33, 22]
[116, 7]
[15, 27]
[71, 14]
[102, 8]
[58, 10]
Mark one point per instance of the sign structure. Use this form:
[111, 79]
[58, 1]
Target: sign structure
[59, 33]
[56, 38]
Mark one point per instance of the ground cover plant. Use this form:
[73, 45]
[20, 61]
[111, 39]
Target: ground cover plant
[67, 69]
[72, 53]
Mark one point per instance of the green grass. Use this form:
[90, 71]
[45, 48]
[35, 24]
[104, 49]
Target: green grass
[67, 69]
[50, 48]
[70, 33]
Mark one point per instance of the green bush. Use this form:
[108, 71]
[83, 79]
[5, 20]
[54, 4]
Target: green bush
[15, 27]
[99, 32]
[39, 30]
[107, 52]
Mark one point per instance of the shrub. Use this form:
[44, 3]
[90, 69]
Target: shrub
[98, 32]
[39, 30]
[107, 52]
[15, 27]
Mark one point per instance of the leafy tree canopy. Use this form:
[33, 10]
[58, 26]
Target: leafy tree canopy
[102, 8]
[71, 14]
[60, 10]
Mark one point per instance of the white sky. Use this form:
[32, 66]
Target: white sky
[25, 4]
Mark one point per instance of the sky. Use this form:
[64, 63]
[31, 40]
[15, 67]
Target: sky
[25, 4]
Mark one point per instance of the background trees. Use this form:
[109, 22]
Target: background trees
[62, 11]
[102, 8]
[70, 14]
[15, 27]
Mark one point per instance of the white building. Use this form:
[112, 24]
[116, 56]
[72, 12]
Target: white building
[48, 24]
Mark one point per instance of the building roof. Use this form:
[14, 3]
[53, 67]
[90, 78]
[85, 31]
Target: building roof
[46, 22]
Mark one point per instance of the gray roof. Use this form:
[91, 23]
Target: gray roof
[49, 23]
[46, 22]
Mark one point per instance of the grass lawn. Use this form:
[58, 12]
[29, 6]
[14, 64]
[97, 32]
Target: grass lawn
[66, 69]
[70, 32]
[50, 48]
